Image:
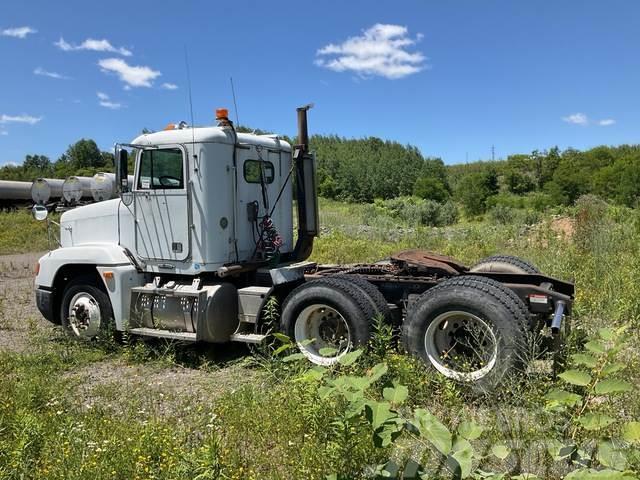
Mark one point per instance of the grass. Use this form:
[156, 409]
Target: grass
[178, 412]
[20, 233]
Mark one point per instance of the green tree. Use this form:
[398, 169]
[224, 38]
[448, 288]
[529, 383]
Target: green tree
[85, 154]
[37, 162]
[474, 190]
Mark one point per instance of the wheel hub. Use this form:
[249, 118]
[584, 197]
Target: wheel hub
[461, 345]
[321, 326]
[84, 315]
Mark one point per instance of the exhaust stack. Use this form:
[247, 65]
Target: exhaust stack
[306, 191]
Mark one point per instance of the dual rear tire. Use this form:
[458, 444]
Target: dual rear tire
[471, 329]
[330, 316]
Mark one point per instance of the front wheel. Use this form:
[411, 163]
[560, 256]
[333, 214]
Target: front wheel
[85, 310]
[470, 329]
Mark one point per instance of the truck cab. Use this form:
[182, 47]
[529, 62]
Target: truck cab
[208, 211]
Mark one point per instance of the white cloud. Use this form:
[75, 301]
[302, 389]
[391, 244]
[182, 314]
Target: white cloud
[93, 45]
[133, 76]
[19, 32]
[41, 71]
[105, 101]
[606, 122]
[380, 50]
[24, 118]
[4, 133]
[576, 119]
[169, 86]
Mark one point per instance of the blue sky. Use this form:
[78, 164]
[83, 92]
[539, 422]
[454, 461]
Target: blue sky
[451, 77]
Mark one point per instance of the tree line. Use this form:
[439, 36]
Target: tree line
[365, 169]
[362, 170]
[82, 158]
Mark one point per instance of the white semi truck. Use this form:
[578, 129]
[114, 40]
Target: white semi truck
[203, 238]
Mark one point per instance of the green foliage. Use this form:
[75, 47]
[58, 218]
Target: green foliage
[431, 188]
[474, 190]
[361, 170]
[591, 409]
[19, 232]
[82, 158]
[417, 211]
[433, 183]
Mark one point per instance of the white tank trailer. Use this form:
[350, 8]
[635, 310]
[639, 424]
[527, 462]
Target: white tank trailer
[103, 186]
[14, 194]
[76, 189]
[45, 189]
[13, 190]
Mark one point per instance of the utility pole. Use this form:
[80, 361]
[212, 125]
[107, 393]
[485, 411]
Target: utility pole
[493, 153]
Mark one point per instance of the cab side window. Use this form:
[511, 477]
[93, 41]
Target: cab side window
[252, 171]
[161, 169]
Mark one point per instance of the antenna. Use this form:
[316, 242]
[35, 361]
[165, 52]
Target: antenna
[235, 105]
[493, 153]
[193, 133]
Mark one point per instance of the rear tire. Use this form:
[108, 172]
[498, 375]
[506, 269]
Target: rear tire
[380, 303]
[333, 313]
[85, 310]
[470, 329]
[504, 264]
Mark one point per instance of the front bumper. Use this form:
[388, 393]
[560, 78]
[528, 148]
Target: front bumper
[44, 302]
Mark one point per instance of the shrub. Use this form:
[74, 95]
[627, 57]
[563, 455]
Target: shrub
[418, 211]
[502, 215]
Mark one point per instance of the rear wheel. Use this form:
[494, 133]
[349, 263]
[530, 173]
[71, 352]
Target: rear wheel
[327, 318]
[85, 310]
[504, 264]
[470, 329]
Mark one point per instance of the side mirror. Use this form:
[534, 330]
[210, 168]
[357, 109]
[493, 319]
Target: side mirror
[39, 212]
[122, 169]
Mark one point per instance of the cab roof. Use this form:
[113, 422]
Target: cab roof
[188, 135]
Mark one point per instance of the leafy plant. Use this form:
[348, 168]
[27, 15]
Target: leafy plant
[588, 405]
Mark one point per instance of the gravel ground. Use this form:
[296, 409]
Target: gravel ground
[20, 320]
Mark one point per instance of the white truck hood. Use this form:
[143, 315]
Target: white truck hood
[95, 223]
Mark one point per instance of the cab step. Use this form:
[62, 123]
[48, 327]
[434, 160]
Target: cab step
[154, 332]
[248, 338]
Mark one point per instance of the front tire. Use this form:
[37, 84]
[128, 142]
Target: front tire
[85, 309]
[469, 329]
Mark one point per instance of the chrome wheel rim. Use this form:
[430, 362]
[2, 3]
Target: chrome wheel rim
[320, 326]
[461, 345]
[84, 315]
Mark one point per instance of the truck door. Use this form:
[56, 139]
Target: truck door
[162, 204]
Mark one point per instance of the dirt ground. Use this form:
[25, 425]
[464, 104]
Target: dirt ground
[24, 330]
[19, 317]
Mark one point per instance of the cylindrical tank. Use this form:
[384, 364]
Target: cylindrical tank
[12, 190]
[103, 186]
[44, 189]
[75, 189]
